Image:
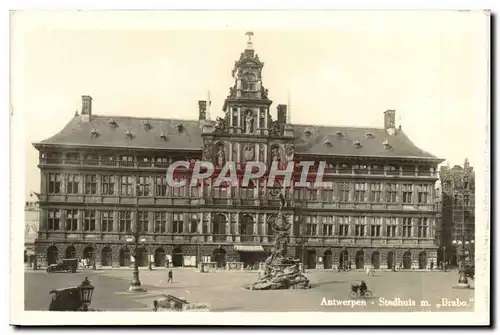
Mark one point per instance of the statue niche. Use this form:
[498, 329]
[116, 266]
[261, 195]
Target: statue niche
[249, 152]
[220, 156]
[249, 120]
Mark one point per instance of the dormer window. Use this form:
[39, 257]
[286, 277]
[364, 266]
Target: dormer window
[386, 144]
[340, 134]
[328, 143]
[113, 123]
[129, 134]
[357, 144]
[369, 136]
[163, 136]
[180, 128]
[308, 132]
[76, 112]
[147, 125]
[94, 133]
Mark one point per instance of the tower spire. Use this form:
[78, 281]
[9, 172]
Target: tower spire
[249, 42]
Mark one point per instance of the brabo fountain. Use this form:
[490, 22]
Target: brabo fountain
[281, 271]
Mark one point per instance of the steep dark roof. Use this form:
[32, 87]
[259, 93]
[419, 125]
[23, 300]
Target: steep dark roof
[309, 139]
[354, 141]
[79, 133]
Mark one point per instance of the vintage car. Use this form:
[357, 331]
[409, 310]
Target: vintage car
[68, 265]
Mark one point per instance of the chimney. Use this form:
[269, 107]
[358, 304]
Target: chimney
[202, 108]
[390, 121]
[86, 107]
[282, 114]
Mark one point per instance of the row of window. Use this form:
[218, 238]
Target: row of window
[157, 186]
[329, 225]
[360, 226]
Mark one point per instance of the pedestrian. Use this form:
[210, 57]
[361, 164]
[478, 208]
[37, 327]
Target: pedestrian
[432, 265]
[350, 264]
[170, 276]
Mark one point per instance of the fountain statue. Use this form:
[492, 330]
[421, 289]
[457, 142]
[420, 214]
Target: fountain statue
[281, 271]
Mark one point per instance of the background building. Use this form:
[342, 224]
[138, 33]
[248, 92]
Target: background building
[458, 208]
[102, 177]
[31, 225]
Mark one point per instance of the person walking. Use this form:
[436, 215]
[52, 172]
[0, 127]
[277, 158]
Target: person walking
[170, 276]
[432, 265]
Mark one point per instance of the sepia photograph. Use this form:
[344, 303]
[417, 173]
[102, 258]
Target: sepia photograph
[295, 162]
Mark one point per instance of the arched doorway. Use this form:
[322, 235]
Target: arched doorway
[343, 259]
[246, 228]
[219, 228]
[52, 255]
[88, 252]
[159, 257]
[407, 260]
[360, 259]
[177, 257]
[142, 257]
[106, 256]
[422, 260]
[124, 257]
[327, 260]
[376, 260]
[390, 260]
[70, 252]
[311, 259]
[219, 257]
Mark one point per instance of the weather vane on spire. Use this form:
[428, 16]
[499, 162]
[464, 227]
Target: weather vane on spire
[249, 43]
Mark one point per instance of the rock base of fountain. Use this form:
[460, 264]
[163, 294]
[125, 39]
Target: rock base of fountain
[281, 274]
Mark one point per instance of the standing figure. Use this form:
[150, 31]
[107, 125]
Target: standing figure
[170, 276]
[220, 157]
[248, 123]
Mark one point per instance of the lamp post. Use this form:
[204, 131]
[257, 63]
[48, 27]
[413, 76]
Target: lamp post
[135, 285]
[444, 259]
[85, 289]
[393, 259]
[462, 278]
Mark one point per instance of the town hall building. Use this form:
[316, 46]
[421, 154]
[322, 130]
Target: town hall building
[104, 177]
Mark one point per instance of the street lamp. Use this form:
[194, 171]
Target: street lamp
[462, 278]
[135, 285]
[85, 289]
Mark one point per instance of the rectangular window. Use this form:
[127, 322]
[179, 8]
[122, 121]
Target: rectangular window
[127, 161]
[72, 184]
[143, 221]
[180, 191]
[161, 186]
[108, 185]
[313, 192]
[343, 191]
[392, 193]
[108, 160]
[262, 119]
[193, 225]
[144, 186]
[376, 192]
[160, 222]
[92, 159]
[467, 201]
[375, 226]
[328, 194]
[54, 183]
[407, 193]
[54, 215]
[89, 220]
[72, 158]
[107, 221]
[125, 222]
[311, 226]
[359, 192]
[391, 226]
[178, 223]
[423, 193]
[90, 184]
[328, 226]
[406, 227]
[71, 219]
[359, 226]
[343, 226]
[423, 226]
[126, 187]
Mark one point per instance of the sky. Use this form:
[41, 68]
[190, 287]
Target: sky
[334, 67]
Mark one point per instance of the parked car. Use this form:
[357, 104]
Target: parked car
[68, 264]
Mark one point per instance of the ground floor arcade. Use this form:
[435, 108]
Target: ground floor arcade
[186, 255]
